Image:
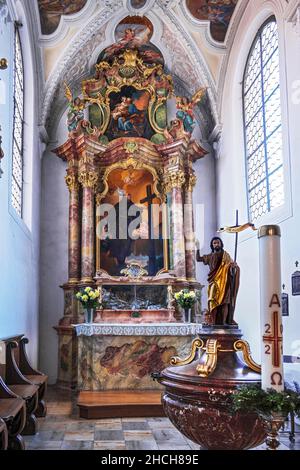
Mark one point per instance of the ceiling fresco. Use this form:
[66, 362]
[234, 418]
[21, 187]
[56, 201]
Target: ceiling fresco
[218, 12]
[52, 10]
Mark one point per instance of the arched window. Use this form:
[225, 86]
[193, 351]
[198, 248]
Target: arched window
[262, 123]
[18, 120]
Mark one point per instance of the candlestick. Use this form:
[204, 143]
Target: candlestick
[270, 307]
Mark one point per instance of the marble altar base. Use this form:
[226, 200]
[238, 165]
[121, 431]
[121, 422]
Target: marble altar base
[128, 316]
[122, 357]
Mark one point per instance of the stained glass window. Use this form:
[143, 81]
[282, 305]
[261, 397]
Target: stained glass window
[17, 153]
[262, 121]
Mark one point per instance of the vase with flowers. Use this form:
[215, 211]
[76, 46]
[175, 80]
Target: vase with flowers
[89, 299]
[186, 299]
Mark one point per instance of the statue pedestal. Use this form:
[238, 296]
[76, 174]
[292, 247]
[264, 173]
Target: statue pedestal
[196, 395]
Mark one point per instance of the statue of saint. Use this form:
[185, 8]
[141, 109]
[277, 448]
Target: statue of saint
[223, 283]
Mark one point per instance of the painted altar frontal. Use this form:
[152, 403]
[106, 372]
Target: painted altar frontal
[131, 230]
[117, 357]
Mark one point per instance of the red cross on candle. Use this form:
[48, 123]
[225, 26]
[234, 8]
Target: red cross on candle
[275, 341]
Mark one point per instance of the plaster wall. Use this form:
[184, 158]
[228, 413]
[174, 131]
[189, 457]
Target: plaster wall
[19, 237]
[231, 178]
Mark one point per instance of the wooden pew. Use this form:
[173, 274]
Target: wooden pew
[13, 413]
[3, 435]
[21, 387]
[34, 376]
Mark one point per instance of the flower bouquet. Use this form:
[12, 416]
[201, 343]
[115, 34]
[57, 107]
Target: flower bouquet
[186, 299]
[89, 299]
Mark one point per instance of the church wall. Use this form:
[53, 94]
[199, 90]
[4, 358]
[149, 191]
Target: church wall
[54, 251]
[205, 213]
[19, 238]
[231, 179]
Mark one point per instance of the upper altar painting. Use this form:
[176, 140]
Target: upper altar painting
[52, 10]
[218, 12]
[134, 33]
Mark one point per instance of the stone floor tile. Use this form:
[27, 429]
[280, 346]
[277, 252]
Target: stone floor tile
[80, 426]
[163, 435]
[107, 435]
[110, 426]
[141, 445]
[130, 420]
[138, 435]
[109, 445]
[135, 425]
[77, 445]
[79, 436]
[106, 420]
[44, 445]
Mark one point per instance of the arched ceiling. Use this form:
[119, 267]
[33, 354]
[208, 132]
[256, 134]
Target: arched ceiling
[73, 33]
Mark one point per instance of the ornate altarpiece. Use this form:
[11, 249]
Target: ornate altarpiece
[125, 147]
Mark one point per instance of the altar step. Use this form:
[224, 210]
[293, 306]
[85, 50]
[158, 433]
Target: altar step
[120, 404]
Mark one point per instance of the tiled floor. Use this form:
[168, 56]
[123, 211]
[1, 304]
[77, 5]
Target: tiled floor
[63, 429]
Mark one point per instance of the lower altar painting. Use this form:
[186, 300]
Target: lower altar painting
[129, 233]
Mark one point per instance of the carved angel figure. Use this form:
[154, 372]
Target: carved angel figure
[186, 109]
[76, 110]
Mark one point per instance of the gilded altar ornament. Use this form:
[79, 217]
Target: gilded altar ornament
[127, 70]
[191, 182]
[72, 182]
[173, 180]
[244, 347]
[88, 179]
[134, 270]
[131, 147]
[177, 361]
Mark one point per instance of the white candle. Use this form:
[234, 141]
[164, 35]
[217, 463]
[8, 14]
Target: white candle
[270, 307]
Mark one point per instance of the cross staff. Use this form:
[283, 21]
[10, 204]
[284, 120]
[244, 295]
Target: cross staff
[236, 229]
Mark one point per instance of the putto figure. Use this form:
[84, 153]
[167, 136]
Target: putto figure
[76, 110]
[223, 283]
[185, 109]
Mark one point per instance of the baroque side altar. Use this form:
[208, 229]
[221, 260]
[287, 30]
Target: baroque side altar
[122, 158]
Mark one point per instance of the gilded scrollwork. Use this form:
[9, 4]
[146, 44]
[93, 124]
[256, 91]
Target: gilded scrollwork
[177, 361]
[212, 346]
[244, 347]
[191, 182]
[173, 180]
[72, 182]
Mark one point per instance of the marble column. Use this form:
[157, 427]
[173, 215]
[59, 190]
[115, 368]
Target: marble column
[175, 183]
[189, 229]
[88, 179]
[74, 229]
